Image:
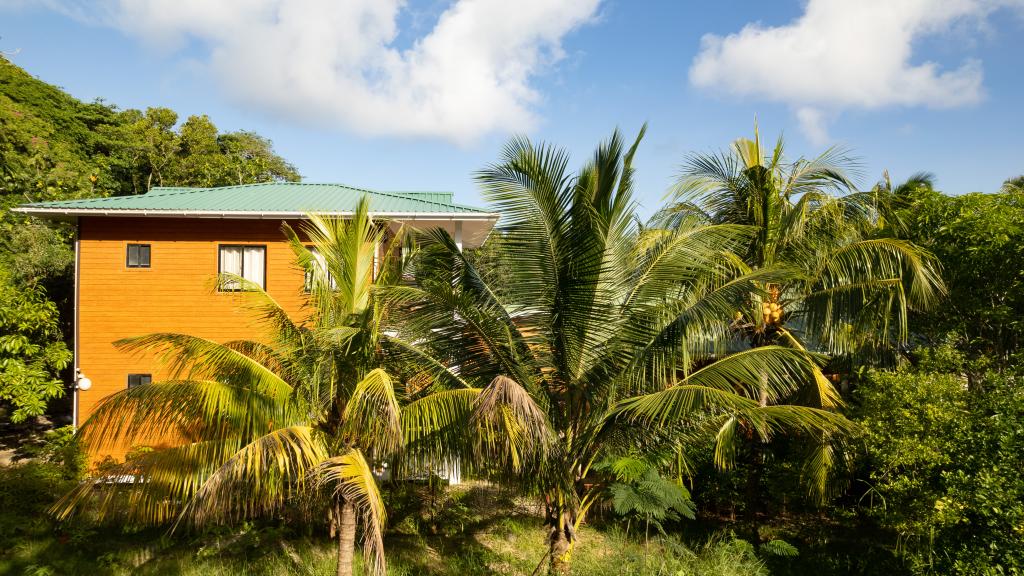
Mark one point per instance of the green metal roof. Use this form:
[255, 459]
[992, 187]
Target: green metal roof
[272, 198]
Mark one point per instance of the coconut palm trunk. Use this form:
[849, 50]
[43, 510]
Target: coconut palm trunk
[346, 514]
[561, 538]
[561, 544]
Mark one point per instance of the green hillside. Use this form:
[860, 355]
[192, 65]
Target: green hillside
[53, 146]
[50, 143]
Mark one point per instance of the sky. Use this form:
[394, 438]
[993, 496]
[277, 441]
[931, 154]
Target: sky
[419, 95]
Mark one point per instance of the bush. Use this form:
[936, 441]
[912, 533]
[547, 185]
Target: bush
[981, 514]
[60, 448]
[27, 489]
[719, 557]
[943, 468]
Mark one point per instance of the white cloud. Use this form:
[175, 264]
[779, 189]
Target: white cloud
[813, 124]
[335, 62]
[843, 54]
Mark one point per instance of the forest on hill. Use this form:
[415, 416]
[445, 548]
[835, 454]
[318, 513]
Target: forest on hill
[777, 373]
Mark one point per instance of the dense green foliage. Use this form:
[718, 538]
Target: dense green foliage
[979, 240]
[54, 147]
[32, 351]
[35, 262]
[943, 465]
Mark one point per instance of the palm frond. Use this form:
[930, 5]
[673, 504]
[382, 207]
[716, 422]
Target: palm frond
[149, 489]
[509, 426]
[372, 414]
[259, 478]
[189, 408]
[266, 309]
[446, 410]
[437, 430]
[195, 358]
[680, 402]
[868, 284]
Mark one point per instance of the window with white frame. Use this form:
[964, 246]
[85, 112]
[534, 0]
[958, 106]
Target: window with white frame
[248, 262]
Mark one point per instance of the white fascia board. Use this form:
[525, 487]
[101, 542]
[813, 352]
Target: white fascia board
[250, 214]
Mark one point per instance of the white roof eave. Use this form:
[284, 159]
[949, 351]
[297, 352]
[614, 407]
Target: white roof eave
[248, 214]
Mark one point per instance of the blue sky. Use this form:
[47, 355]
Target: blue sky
[390, 95]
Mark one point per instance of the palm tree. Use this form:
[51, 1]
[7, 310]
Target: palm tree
[603, 336]
[889, 202]
[290, 422]
[845, 281]
[849, 282]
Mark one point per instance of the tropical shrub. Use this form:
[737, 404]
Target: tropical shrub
[32, 350]
[943, 468]
[30, 486]
[641, 493]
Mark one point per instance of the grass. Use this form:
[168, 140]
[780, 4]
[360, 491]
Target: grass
[471, 531]
[598, 554]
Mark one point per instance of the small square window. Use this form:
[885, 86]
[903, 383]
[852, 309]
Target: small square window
[138, 255]
[139, 380]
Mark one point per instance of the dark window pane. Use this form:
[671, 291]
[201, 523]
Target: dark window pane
[138, 255]
[139, 380]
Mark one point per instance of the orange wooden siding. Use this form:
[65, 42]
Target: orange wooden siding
[177, 293]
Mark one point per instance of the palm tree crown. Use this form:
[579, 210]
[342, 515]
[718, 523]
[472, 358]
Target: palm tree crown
[848, 282]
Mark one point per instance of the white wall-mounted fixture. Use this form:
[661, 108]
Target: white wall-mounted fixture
[81, 382]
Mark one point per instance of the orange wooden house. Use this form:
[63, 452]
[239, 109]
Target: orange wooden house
[149, 263]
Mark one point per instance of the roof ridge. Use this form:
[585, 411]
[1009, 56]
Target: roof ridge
[270, 183]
